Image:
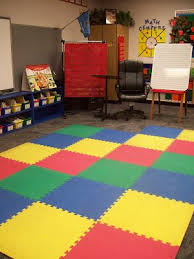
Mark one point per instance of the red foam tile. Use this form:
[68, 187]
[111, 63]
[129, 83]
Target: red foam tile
[134, 155]
[9, 167]
[182, 147]
[107, 242]
[68, 162]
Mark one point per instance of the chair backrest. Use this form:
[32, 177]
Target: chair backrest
[131, 76]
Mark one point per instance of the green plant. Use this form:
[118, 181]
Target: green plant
[125, 18]
[181, 30]
[98, 17]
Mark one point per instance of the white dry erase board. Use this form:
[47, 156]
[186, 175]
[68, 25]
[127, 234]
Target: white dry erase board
[6, 67]
[171, 66]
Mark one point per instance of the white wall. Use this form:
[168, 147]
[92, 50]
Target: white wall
[46, 13]
[162, 10]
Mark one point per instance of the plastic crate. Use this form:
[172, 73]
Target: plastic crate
[18, 124]
[6, 110]
[8, 127]
[50, 99]
[16, 107]
[36, 103]
[27, 121]
[1, 129]
[58, 98]
[43, 102]
[26, 106]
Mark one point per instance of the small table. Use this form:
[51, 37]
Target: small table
[105, 115]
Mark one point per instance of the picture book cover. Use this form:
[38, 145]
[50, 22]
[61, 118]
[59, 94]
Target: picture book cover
[39, 77]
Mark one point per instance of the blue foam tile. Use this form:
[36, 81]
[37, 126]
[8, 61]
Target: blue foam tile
[84, 197]
[166, 184]
[112, 135]
[11, 204]
[161, 131]
[56, 140]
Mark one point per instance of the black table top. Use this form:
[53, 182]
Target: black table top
[106, 76]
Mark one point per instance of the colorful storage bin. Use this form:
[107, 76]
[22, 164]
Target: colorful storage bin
[18, 123]
[6, 110]
[43, 101]
[16, 107]
[7, 127]
[50, 99]
[36, 103]
[1, 129]
[27, 121]
[57, 98]
[26, 106]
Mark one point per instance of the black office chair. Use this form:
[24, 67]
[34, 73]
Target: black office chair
[130, 87]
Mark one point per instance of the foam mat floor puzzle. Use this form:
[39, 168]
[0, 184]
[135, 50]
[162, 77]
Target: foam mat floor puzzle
[86, 192]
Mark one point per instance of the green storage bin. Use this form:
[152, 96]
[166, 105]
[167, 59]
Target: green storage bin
[27, 121]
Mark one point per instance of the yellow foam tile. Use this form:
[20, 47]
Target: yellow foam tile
[93, 147]
[187, 135]
[154, 217]
[42, 231]
[29, 153]
[151, 142]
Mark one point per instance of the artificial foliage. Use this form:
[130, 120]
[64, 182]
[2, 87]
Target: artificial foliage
[98, 17]
[182, 30]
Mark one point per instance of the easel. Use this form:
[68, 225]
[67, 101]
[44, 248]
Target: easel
[182, 95]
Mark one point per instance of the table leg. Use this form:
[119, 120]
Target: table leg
[152, 106]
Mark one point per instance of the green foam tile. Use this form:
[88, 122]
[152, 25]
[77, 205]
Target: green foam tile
[79, 130]
[113, 172]
[176, 163]
[34, 182]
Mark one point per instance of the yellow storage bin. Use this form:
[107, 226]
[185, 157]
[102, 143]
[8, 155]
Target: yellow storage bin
[50, 99]
[18, 123]
[16, 107]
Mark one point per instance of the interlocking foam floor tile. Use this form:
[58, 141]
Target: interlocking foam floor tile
[29, 153]
[41, 231]
[161, 131]
[112, 135]
[145, 214]
[56, 140]
[152, 142]
[9, 167]
[113, 172]
[11, 204]
[34, 182]
[93, 147]
[68, 162]
[166, 184]
[182, 147]
[84, 197]
[103, 242]
[186, 135]
[134, 155]
[176, 163]
[79, 130]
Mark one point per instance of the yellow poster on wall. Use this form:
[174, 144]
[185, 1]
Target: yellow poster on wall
[150, 34]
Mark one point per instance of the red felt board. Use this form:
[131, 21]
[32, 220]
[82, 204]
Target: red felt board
[81, 61]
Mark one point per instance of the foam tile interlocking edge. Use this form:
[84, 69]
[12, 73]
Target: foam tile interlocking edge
[17, 251]
[175, 242]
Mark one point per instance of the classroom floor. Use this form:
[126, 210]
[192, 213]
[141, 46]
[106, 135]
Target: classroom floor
[117, 159]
